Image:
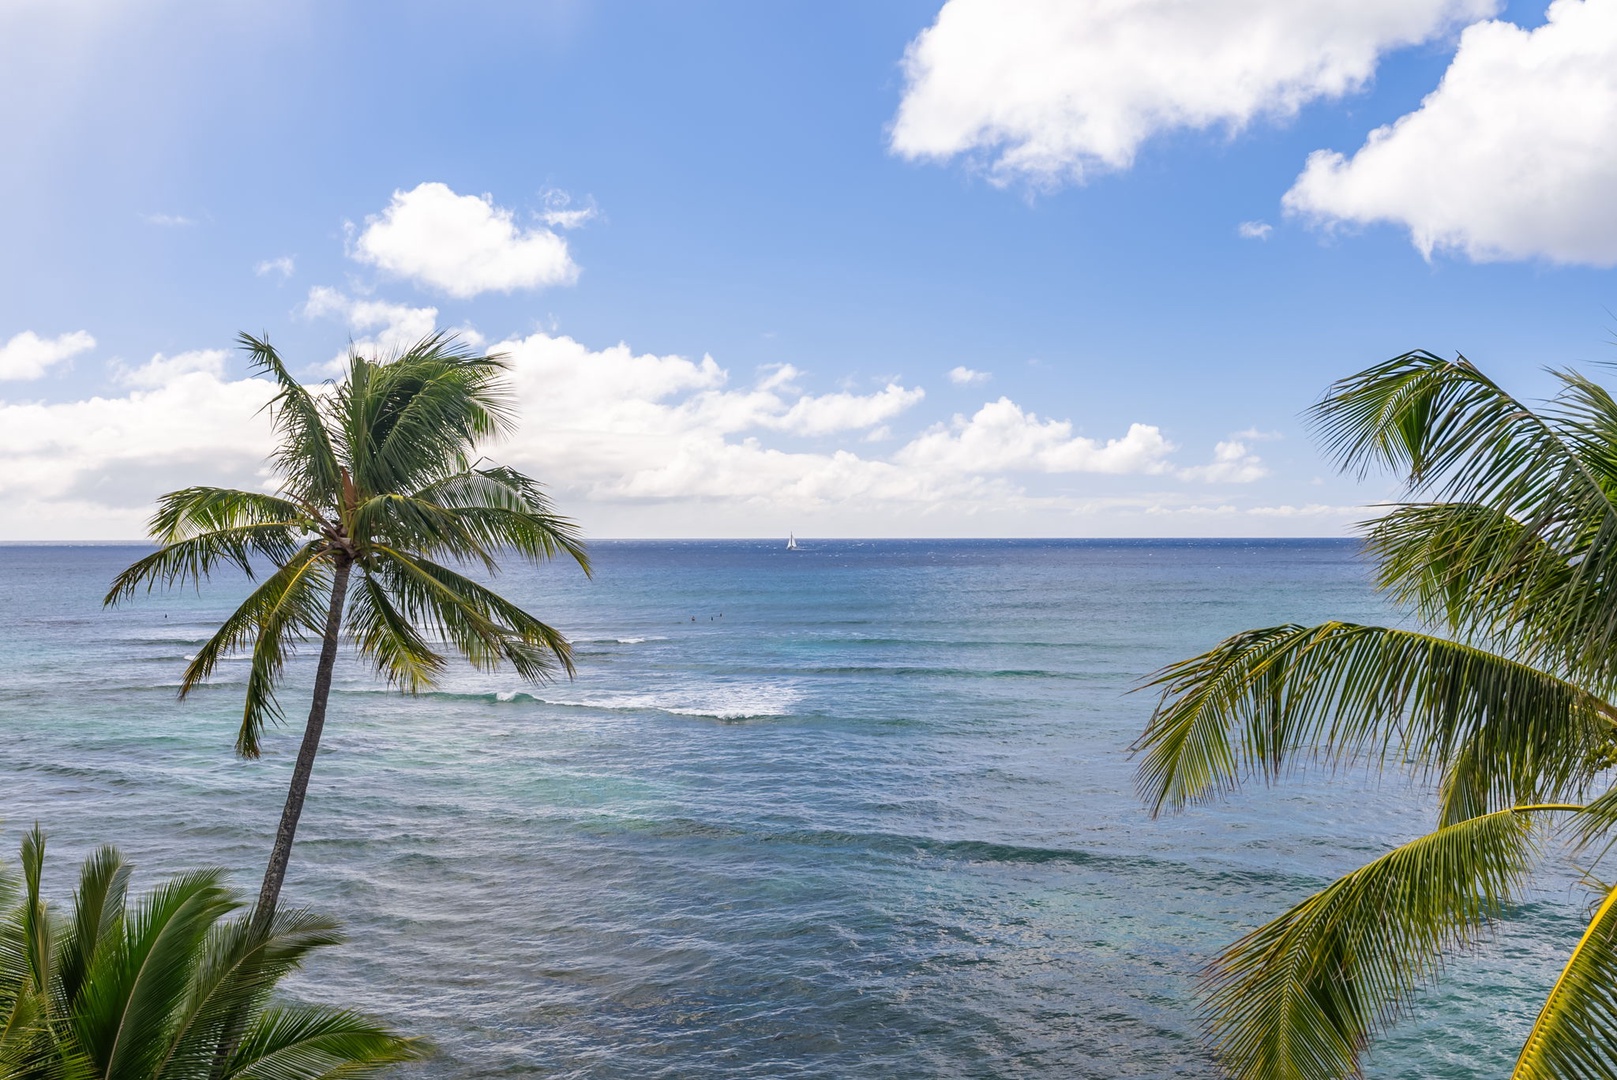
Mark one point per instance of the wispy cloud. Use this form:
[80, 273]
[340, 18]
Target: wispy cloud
[560, 213]
[285, 266]
[965, 376]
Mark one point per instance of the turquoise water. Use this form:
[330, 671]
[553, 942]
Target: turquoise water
[862, 809]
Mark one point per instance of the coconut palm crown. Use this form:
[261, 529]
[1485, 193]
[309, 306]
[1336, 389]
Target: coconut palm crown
[1501, 689]
[170, 986]
[377, 475]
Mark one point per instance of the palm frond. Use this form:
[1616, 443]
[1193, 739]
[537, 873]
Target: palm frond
[36, 920]
[281, 621]
[239, 965]
[305, 457]
[1447, 428]
[415, 419]
[312, 1044]
[133, 991]
[397, 649]
[1467, 567]
[1575, 1034]
[1347, 692]
[98, 912]
[417, 524]
[24, 1046]
[507, 510]
[197, 511]
[202, 528]
[273, 618]
[1458, 436]
[1298, 998]
[484, 627]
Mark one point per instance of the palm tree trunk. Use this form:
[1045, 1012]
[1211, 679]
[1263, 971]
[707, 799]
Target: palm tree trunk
[275, 873]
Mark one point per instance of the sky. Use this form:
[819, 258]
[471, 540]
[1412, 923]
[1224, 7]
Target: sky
[978, 268]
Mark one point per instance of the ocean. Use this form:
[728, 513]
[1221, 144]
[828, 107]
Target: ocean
[861, 809]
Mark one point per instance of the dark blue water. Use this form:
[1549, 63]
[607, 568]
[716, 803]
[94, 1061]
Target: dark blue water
[862, 809]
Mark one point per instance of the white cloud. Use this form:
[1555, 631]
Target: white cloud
[1254, 230]
[965, 376]
[1254, 434]
[162, 370]
[560, 213]
[1232, 463]
[631, 443]
[29, 356]
[285, 265]
[94, 467]
[383, 327]
[846, 412]
[462, 245]
[1001, 437]
[1511, 157]
[168, 220]
[1050, 90]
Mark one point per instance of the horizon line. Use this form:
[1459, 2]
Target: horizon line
[770, 537]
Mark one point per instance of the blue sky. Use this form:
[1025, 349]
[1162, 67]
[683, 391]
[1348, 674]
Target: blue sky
[839, 204]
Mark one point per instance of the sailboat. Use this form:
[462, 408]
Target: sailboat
[791, 542]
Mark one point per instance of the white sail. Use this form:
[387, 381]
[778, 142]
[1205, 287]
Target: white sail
[791, 542]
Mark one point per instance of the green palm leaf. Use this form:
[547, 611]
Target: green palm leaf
[170, 988]
[312, 1044]
[486, 628]
[396, 647]
[273, 619]
[1575, 1035]
[98, 913]
[1299, 998]
[1346, 692]
[133, 989]
[1459, 436]
[305, 456]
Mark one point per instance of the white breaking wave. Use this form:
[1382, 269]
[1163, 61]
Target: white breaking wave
[720, 702]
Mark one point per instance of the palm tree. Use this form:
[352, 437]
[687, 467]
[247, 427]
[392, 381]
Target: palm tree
[152, 990]
[376, 473]
[1501, 689]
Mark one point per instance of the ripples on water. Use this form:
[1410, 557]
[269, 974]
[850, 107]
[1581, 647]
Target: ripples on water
[860, 809]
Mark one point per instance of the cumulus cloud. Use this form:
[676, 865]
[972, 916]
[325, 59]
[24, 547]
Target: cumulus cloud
[1512, 157]
[629, 442]
[162, 370]
[965, 376]
[829, 413]
[1001, 437]
[1050, 90]
[462, 245]
[29, 356]
[1233, 463]
[1254, 230]
[383, 328]
[95, 467]
[284, 266]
